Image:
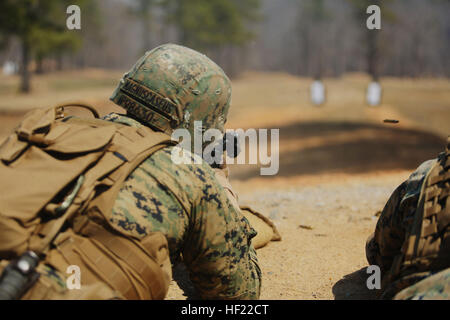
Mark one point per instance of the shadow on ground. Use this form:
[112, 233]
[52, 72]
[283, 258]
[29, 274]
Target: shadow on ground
[308, 148]
[329, 147]
[353, 287]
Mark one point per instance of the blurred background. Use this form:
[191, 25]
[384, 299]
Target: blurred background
[310, 68]
[279, 54]
[301, 37]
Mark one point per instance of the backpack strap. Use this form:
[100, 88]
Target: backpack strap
[129, 148]
[59, 109]
[146, 259]
[134, 153]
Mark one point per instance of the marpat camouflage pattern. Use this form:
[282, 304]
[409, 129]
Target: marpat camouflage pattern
[427, 276]
[187, 204]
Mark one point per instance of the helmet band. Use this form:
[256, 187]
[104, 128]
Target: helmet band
[149, 116]
[150, 99]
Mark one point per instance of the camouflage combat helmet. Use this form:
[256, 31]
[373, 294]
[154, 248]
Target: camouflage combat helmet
[172, 86]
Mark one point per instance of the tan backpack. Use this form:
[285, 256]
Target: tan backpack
[53, 167]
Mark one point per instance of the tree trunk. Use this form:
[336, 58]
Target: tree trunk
[305, 53]
[146, 31]
[59, 62]
[39, 65]
[373, 50]
[372, 54]
[25, 86]
[145, 7]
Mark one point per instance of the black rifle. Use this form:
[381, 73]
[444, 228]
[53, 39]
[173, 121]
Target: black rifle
[230, 144]
[19, 276]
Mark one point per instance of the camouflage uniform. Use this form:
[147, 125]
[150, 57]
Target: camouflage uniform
[188, 205]
[436, 286]
[203, 228]
[428, 277]
[185, 202]
[171, 87]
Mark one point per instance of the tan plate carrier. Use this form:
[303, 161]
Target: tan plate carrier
[58, 171]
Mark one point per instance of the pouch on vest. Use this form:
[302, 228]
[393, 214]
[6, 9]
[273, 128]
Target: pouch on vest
[52, 167]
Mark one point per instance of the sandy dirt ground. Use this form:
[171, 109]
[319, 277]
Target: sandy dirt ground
[338, 166]
[339, 163]
[324, 222]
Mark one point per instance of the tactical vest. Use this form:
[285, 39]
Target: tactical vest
[58, 171]
[427, 245]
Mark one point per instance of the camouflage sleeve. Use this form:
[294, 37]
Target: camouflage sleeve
[434, 287]
[145, 205]
[186, 203]
[387, 240]
[219, 255]
[396, 219]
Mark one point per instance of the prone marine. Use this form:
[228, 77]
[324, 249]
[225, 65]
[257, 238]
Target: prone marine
[103, 195]
[411, 242]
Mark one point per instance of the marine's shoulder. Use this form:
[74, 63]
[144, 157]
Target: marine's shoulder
[190, 183]
[189, 168]
[172, 166]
